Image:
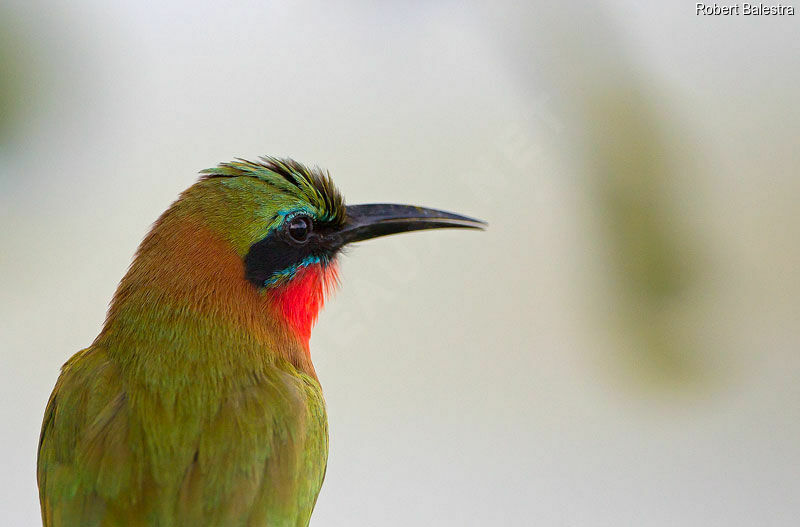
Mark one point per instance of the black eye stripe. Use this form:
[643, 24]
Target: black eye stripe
[283, 248]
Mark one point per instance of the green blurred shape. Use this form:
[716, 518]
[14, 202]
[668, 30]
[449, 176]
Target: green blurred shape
[13, 79]
[634, 164]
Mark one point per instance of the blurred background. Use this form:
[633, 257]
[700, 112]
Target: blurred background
[619, 348]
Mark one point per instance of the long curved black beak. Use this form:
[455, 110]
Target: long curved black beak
[381, 219]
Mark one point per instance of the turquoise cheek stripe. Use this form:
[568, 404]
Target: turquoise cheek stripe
[287, 274]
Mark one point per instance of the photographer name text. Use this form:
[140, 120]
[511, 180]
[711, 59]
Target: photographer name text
[743, 9]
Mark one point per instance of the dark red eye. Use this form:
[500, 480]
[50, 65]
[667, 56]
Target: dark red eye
[299, 228]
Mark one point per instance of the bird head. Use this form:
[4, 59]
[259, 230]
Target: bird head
[288, 217]
[285, 223]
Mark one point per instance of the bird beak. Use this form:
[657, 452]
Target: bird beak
[381, 219]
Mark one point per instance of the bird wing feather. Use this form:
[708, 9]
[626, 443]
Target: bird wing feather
[257, 458]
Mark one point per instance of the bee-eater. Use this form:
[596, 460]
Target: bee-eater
[198, 404]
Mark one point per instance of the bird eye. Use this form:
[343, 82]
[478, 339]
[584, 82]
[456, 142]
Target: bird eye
[299, 228]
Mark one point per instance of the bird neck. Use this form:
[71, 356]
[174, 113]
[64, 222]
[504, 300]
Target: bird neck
[185, 300]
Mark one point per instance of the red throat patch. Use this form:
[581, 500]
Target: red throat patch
[300, 300]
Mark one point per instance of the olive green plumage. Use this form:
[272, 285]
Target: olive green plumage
[108, 458]
[198, 404]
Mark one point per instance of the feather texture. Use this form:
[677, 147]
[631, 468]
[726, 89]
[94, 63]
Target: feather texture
[198, 403]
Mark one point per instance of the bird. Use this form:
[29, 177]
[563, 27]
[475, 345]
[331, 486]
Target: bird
[198, 404]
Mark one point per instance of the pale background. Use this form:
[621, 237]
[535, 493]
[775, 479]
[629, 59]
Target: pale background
[619, 348]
